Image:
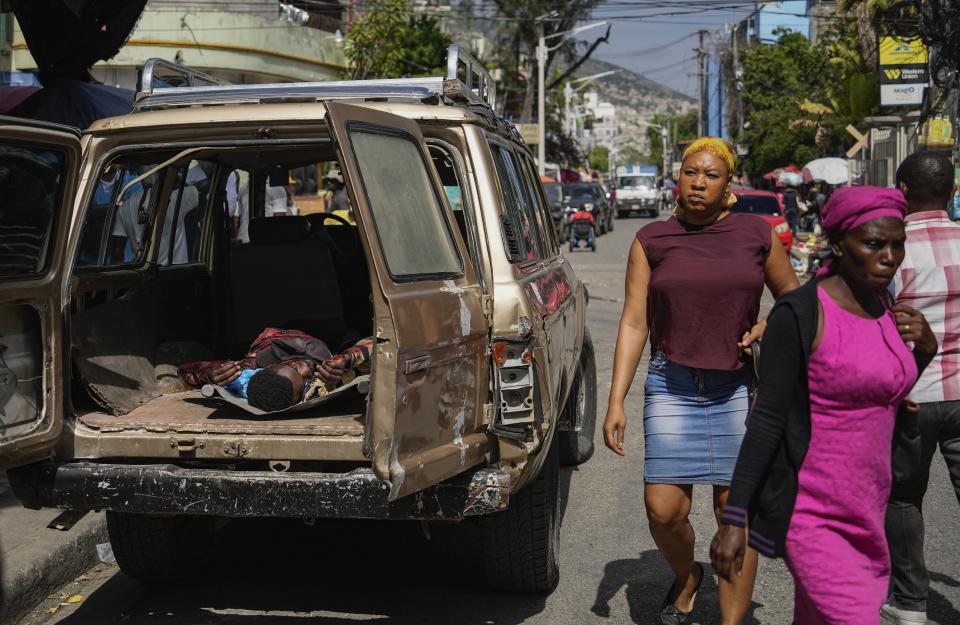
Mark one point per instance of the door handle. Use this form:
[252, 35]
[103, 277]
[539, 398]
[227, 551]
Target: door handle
[413, 365]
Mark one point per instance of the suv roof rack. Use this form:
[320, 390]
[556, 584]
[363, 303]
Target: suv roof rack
[167, 85]
[162, 74]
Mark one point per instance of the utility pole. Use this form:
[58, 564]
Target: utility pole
[738, 77]
[701, 83]
[542, 51]
[541, 101]
[664, 140]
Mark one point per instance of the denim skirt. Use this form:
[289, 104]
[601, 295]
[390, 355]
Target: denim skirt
[693, 422]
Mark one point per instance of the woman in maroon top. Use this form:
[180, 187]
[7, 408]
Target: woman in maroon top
[693, 285]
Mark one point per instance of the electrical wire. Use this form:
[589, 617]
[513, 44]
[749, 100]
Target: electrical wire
[641, 51]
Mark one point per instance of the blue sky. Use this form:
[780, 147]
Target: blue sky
[648, 41]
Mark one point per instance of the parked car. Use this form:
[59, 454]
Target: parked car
[554, 191]
[766, 205]
[591, 197]
[482, 380]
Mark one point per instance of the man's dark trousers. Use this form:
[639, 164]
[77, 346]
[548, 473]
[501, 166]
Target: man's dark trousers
[939, 424]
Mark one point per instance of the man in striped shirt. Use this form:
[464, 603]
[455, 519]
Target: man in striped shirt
[928, 280]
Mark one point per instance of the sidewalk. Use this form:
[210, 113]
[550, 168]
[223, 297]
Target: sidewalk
[35, 560]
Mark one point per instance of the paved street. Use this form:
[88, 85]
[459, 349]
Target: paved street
[279, 572]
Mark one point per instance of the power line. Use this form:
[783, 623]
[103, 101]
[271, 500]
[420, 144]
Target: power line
[665, 67]
[648, 50]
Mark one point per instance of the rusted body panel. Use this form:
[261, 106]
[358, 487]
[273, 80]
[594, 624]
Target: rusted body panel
[441, 340]
[42, 295]
[539, 302]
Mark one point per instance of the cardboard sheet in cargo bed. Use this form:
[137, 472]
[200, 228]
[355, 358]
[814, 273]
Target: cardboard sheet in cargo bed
[360, 384]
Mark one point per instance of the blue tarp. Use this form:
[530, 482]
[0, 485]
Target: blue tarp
[75, 103]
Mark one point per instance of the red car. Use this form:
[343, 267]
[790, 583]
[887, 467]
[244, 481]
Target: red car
[766, 205]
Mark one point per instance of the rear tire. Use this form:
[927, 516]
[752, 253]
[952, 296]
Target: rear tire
[623, 214]
[153, 548]
[521, 544]
[576, 447]
[610, 224]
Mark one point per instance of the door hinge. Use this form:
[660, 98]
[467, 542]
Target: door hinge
[487, 303]
[488, 414]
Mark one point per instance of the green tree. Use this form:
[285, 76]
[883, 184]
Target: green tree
[682, 126]
[599, 158]
[516, 47]
[390, 41]
[777, 79]
[630, 155]
[561, 148]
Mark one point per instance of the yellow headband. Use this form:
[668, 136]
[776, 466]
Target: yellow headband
[718, 147]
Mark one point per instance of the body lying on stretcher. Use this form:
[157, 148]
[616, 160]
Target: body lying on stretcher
[282, 368]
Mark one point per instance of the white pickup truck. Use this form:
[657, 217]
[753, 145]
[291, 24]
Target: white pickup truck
[637, 191]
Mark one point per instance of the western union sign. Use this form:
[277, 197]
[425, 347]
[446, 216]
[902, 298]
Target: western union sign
[903, 71]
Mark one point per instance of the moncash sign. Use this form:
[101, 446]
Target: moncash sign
[903, 71]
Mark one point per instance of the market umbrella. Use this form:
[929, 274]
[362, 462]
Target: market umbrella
[830, 170]
[791, 179]
[66, 38]
[12, 95]
[75, 103]
[779, 171]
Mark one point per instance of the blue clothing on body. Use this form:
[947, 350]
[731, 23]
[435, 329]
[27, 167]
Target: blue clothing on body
[238, 388]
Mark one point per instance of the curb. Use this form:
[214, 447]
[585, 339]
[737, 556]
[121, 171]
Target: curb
[26, 584]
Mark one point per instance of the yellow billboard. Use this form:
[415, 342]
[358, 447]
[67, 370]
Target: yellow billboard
[899, 51]
[903, 71]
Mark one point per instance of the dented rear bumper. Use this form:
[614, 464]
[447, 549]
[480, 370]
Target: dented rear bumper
[169, 489]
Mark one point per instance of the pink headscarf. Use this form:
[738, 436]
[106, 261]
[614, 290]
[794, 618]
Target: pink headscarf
[850, 207]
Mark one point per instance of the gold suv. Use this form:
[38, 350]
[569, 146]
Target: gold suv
[169, 235]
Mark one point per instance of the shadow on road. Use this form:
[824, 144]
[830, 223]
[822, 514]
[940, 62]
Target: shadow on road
[647, 580]
[939, 608]
[946, 580]
[273, 572]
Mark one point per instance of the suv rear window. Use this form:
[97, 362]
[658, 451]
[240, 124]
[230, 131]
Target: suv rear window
[406, 208]
[30, 180]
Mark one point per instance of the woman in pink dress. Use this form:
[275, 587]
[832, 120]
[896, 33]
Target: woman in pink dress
[813, 475]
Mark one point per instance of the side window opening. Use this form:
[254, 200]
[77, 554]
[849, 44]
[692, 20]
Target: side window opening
[184, 214]
[118, 228]
[520, 227]
[447, 163]
[543, 213]
[127, 223]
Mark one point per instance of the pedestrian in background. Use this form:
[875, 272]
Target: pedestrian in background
[813, 476]
[791, 209]
[697, 279]
[928, 280]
